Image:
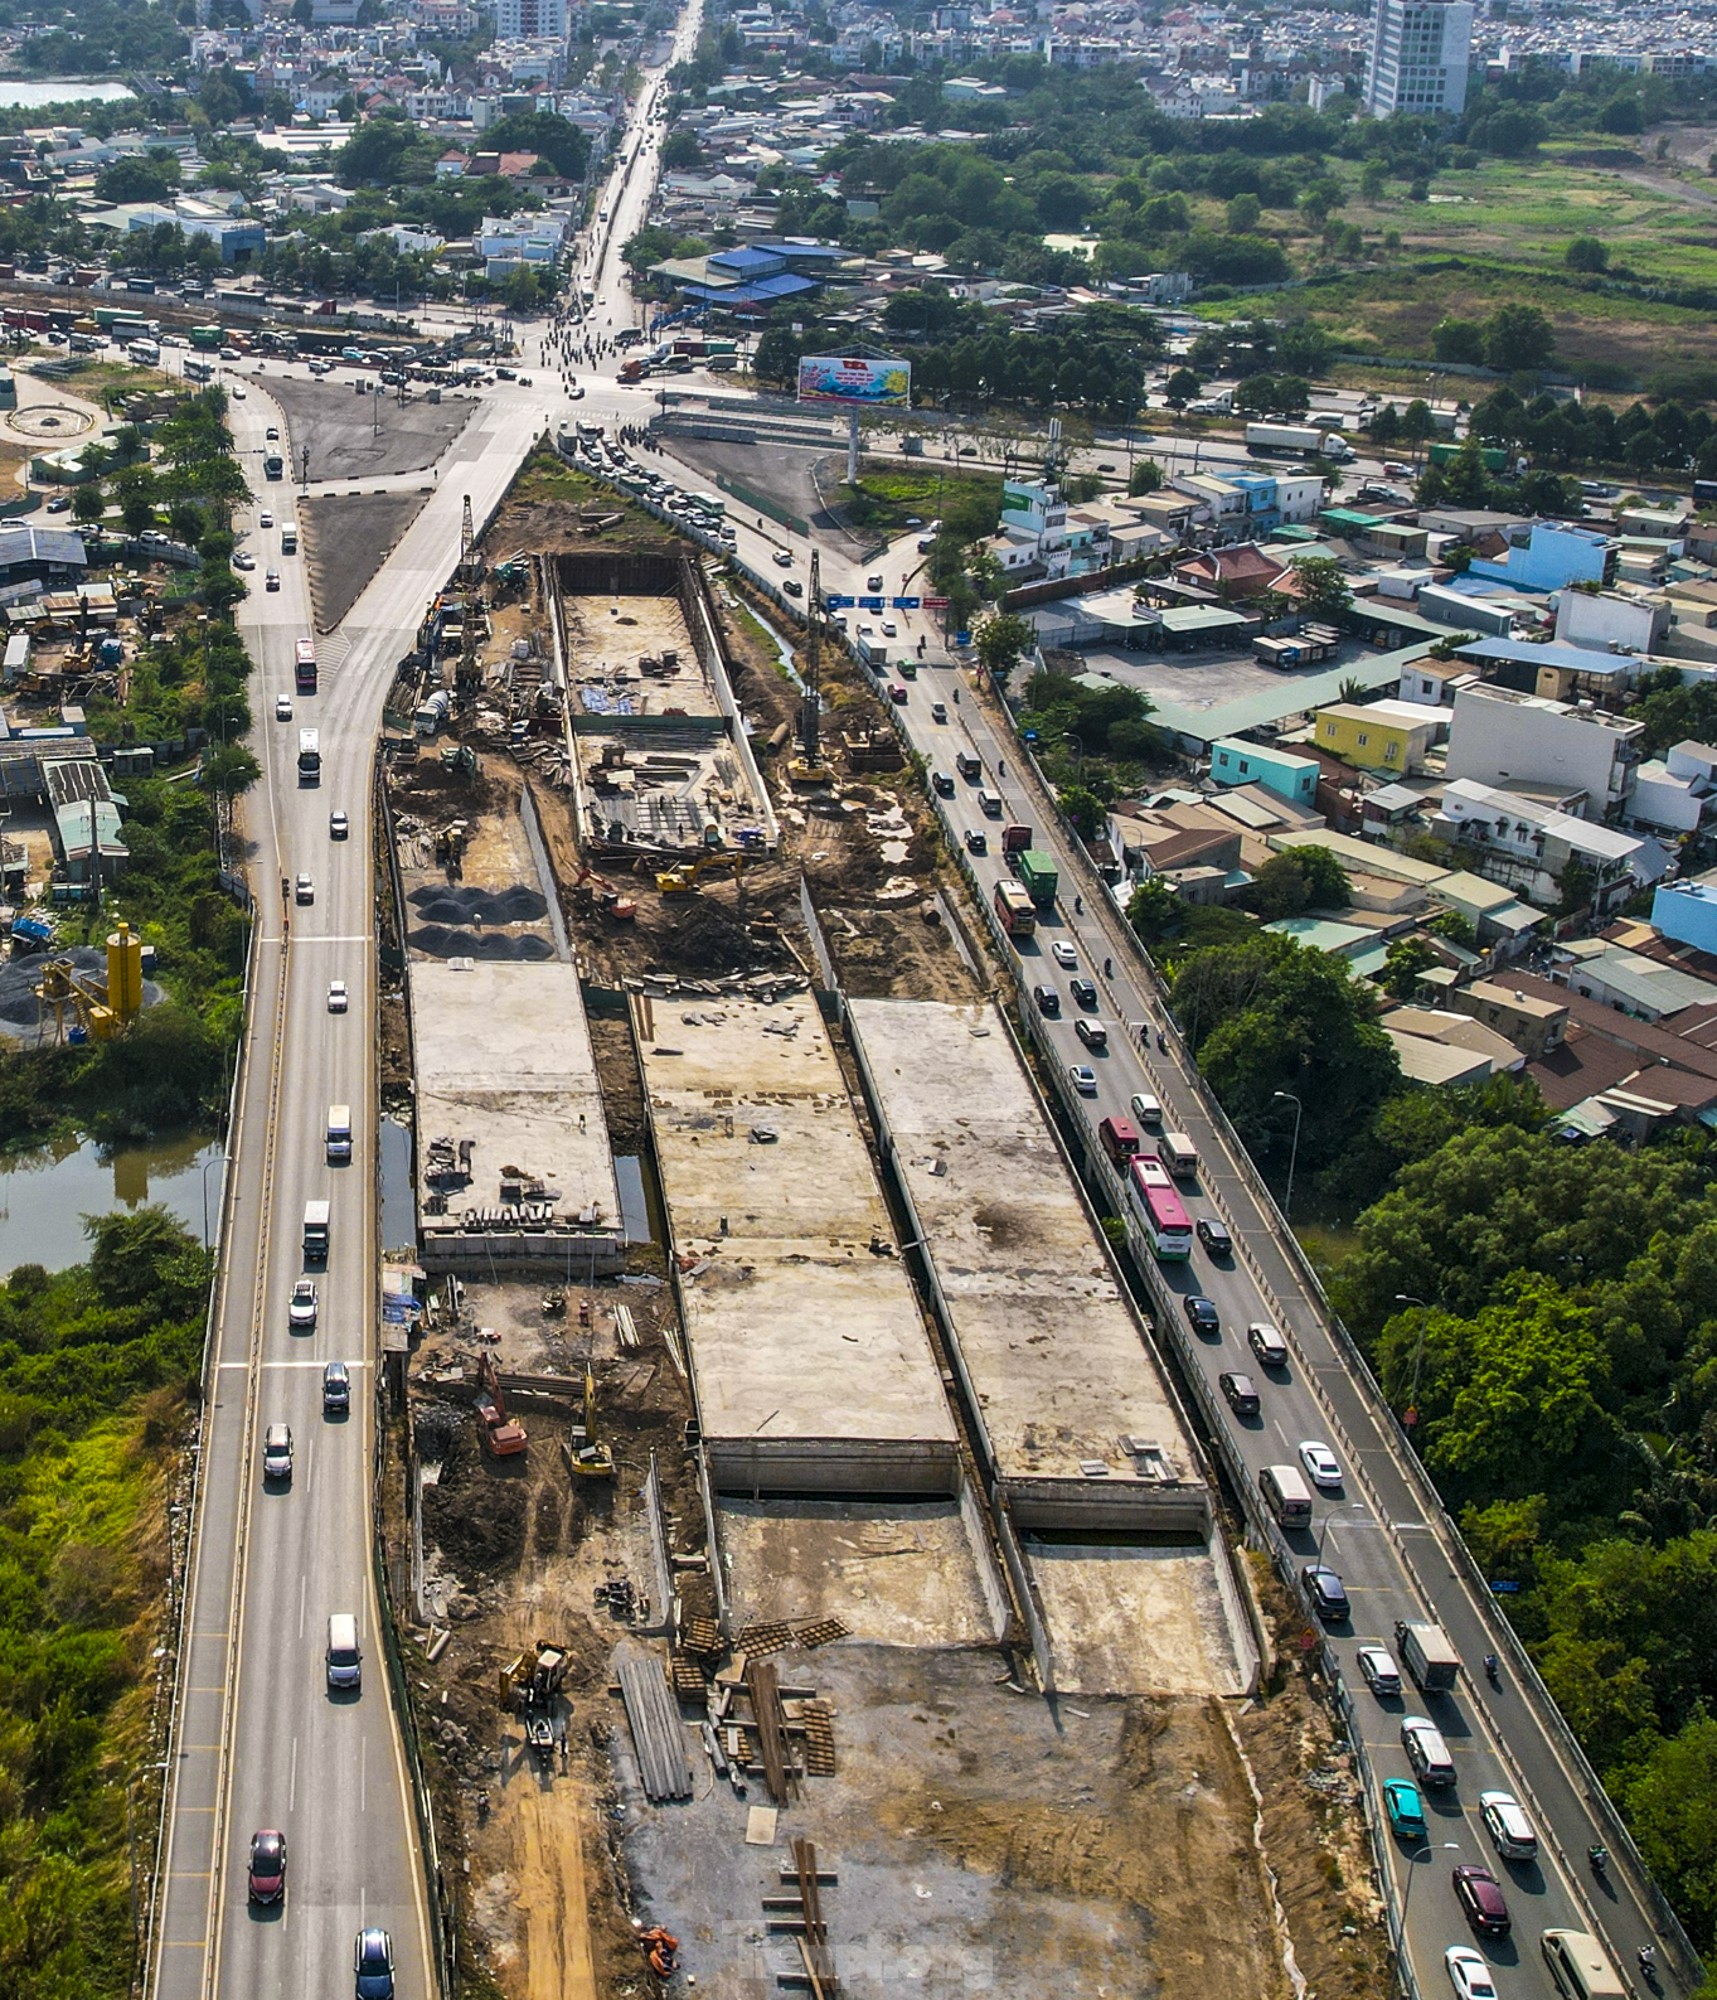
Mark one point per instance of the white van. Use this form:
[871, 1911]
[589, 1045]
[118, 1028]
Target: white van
[1426, 1751]
[1147, 1109]
[990, 804]
[1286, 1495]
[1179, 1153]
[345, 1661]
[1579, 1967]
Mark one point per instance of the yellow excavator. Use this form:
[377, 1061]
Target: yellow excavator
[684, 881]
[585, 1453]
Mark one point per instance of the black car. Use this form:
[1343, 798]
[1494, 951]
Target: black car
[1084, 991]
[1327, 1592]
[976, 841]
[1215, 1237]
[1048, 1000]
[1201, 1313]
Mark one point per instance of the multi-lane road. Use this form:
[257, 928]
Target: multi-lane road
[259, 1741]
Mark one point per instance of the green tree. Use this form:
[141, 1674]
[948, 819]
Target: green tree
[1181, 388]
[545, 133]
[1084, 810]
[1586, 253]
[1243, 214]
[136, 492]
[1267, 1016]
[1003, 640]
[151, 178]
[1460, 340]
[1519, 338]
[89, 504]
[1403, 961]
[1156, 913]
[1145, 477]
[523, 291]
[1323, 586]
[1671, 1806]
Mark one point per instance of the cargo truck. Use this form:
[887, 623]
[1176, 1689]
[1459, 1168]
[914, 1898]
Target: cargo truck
[1491, 456]
[1037, 872]
[1427, 1655]
[315, 1232]
[1297, 441]
[273, 466]
[339, 1133]
[1015, 839]
[309, 757]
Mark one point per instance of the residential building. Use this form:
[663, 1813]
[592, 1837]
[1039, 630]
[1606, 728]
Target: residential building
[530, 20]
[1375, 737]
[1598, 969]
[1531, 847]
[1500, 737]
[1529, 1021]
[1687, 913]
[1420, 50]
[1234, 762]
[1612, 621]
[1552, 556]
[1441, 1049]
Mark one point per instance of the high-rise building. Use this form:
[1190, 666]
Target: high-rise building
[536, 20]
[1419, 55]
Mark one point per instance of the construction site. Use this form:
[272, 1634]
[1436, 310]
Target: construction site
[813, 1582]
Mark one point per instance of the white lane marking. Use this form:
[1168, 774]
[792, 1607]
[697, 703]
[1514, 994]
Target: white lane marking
[267, 1366]
[292, 1786]
[303, 1588]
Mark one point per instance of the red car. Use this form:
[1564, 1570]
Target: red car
[896, 692]
[267, 1866]
[1480, 1897]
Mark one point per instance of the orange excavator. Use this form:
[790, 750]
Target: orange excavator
[502, 1436]
[590, 891]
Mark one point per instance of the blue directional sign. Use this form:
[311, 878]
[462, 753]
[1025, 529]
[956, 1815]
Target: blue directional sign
[873, 604]
[906, 603]
[837, 600]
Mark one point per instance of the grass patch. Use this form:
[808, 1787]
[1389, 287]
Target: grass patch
[887, 499]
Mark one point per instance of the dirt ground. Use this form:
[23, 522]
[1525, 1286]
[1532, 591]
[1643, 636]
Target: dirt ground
[985, 1840]
[347, 537]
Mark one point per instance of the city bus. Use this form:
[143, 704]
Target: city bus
[309, 757]
[711, 504]
[1016, 909]
[304, 666]
[1158, 1210]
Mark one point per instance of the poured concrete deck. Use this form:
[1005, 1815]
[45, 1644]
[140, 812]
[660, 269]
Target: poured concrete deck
[811, 1361]
[1081, 1431]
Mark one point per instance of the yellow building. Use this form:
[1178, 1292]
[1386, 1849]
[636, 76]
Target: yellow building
[1376, 736]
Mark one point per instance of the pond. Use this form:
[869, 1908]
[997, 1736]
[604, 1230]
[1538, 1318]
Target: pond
[44, 1195]
[61, 90]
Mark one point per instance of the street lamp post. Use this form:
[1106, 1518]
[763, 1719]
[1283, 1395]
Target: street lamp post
[1293, 1154]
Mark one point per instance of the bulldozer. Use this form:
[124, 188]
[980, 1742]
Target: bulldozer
[684, 881]
[588, 1457]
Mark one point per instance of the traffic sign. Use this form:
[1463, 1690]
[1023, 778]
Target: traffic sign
[935, 604]
[873, 604]
[1501, 1587]
[906, 603]
[837, 600]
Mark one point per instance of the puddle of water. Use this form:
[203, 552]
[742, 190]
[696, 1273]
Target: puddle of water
[399, 1196]
[44, 1195]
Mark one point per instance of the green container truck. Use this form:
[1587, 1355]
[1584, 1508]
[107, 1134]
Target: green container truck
[1037, 873]
[1494, 458]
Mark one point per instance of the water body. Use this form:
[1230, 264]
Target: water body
[61, 90]
[45, 1195]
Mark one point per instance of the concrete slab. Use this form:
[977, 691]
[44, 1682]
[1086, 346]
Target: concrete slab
[504, 1061]
[1053, 1355]
[1125, 1619]
[897, 1574]
[813, 1367]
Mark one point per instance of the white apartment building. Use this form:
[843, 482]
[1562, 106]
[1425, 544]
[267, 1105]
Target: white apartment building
[1419, 55]
[1500, 737]
[535, 20]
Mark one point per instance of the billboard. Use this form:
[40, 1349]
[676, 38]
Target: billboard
[856, 382]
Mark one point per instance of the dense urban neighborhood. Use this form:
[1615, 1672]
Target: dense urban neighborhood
[858, 999]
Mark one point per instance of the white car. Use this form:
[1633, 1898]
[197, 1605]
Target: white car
[1084, 1078]
[1320, 1463]
[304, 891]
[1509, 1829]
[237, 392]
[1378, 1670]
[244, 560]
[782, 559]
[283, 708]
[1468, 1973]
[890, 630]
[265, 519]
[302, 1309]
[1064, 954]
[336, 996]
[338, 826]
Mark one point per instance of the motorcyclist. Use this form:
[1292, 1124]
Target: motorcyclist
[1599, 1856]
